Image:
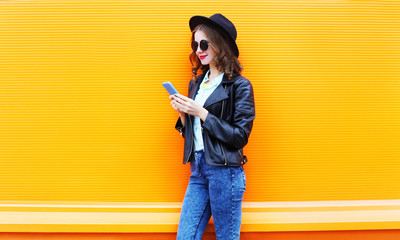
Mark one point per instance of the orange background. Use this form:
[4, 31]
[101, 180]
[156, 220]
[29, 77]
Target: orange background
[84, 116]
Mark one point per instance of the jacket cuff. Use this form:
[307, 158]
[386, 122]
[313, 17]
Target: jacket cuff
[207, 121]
[179, 126]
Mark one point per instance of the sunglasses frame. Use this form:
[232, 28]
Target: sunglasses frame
[204, 44]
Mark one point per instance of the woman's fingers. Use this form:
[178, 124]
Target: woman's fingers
[183, 97]
[174, 96]
[181, 103]
[180, 100]
[185, 104]
[178, 106]
[174, 105]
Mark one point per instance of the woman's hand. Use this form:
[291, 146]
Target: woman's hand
[174, 104]
[188, 105]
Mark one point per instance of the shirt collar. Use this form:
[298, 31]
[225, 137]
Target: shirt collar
[216, 80]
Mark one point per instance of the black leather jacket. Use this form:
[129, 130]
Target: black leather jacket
[224, 138]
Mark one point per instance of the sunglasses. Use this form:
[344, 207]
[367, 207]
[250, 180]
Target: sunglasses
[203, 45]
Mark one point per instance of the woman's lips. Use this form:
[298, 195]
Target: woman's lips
[202, 57]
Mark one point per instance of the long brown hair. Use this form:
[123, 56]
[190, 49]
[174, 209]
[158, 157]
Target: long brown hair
[225, 60]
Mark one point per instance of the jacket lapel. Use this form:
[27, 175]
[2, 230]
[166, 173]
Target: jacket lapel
[217, 95]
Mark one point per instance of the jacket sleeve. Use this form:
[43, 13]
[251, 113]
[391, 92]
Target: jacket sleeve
[236, 134]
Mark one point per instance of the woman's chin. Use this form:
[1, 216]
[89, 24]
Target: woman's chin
[204, 62]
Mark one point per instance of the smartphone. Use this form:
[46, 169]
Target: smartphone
[170, 88]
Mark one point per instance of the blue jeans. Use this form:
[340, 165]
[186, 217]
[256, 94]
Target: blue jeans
[216, 191]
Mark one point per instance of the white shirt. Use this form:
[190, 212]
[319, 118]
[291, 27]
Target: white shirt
[201, 97]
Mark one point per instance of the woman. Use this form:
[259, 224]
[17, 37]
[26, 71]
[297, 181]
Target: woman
[216, 120]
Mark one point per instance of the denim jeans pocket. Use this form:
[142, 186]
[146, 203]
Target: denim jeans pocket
[243, 177]
[238, 183]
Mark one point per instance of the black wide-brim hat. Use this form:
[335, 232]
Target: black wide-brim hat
[221, 23]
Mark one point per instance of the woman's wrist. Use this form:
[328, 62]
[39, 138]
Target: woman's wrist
[203, 114]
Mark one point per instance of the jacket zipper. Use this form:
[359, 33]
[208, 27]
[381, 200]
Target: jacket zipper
[223, 152]
[222, 111]
[191, 143]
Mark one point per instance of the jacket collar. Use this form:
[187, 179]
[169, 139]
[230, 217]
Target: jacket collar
[233, 79]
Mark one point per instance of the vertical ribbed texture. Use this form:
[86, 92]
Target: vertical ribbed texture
[83, 115]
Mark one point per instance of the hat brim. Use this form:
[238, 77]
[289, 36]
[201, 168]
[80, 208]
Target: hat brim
[197, 20]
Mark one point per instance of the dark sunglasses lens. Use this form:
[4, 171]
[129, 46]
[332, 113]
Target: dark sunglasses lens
[203, 45]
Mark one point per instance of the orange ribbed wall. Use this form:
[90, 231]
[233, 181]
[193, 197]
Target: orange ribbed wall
[84, 117]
